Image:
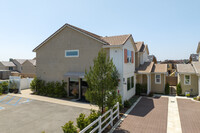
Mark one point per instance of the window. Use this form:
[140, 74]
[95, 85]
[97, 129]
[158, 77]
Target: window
[157, 78]
[129, 58]
[128, 84]
[71, 53]
[11, 68]
[132, 82]
[187, 79]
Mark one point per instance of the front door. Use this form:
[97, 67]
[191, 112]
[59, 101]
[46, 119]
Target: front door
[73, 87]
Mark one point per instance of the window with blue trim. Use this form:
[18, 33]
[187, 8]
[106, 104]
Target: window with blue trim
[71, 53]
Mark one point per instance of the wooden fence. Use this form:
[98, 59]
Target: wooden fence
[104, 121]
[171, 80]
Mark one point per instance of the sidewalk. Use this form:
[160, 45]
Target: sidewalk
[27, 94]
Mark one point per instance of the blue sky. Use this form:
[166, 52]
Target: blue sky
[169, 27]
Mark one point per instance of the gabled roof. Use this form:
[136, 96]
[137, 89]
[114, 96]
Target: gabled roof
[116, 40]
[185, 68]
[107, 40]
[198, 47]
[196, 66]
[90, 34]
[7, 63]
[141, 47]
[194, 57]
[21, 61]
[152, 58]
[32, 62]
[145, 68]
[159, 68]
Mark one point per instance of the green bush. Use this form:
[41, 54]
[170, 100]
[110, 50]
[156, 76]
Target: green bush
[1, 90]
[69, 128]
[82, 121]
[50, 89]
[120, 102]
[33, 85]
[178, 89]
[144, 88]
[127, 104]
[138, 89]
[167, 89]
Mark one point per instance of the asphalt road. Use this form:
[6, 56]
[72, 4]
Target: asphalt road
[22, 115]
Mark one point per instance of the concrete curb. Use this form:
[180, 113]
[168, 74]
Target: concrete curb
[124, 116]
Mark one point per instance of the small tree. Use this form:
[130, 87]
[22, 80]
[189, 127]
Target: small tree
[167, 89]
[69, 128]
[178, 89]
[82, 121]
[102, 80]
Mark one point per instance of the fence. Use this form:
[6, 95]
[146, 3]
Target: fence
[171, 80]
[21, 83]
[108, 117]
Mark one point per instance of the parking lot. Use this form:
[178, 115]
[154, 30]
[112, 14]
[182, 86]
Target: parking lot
[24, 115]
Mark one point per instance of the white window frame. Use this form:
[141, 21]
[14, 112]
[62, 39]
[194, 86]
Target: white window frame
[156, 80]
[71, 51]
[189, 79]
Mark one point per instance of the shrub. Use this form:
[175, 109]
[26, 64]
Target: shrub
[12, 85]
[127, 104]
[120, 102]
[69, 128]
[167, 89]
[33, 85]
[138, 89]
[51, 89]
[144, 88]
[82, 121]
[198, 98]
[1, 89]
[178, 89]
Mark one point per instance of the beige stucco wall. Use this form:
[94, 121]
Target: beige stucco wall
[28, 68]
[158, 88]
[51, 61]
[193, 85]
[141, 78]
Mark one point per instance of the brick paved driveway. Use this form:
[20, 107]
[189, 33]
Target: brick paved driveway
[148, 116]
[189, 112]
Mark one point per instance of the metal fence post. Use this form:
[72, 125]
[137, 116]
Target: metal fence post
[99, 124]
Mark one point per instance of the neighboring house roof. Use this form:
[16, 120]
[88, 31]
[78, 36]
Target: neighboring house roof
[145, 68]
[141, 47]
[194, 57]
[152, 58]
[32, 62]
[21, 61]
[90, 34]
[7, 63]
[185, 68]
[196, 66]
[198, 47]
[159, 68]
[116, 40]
